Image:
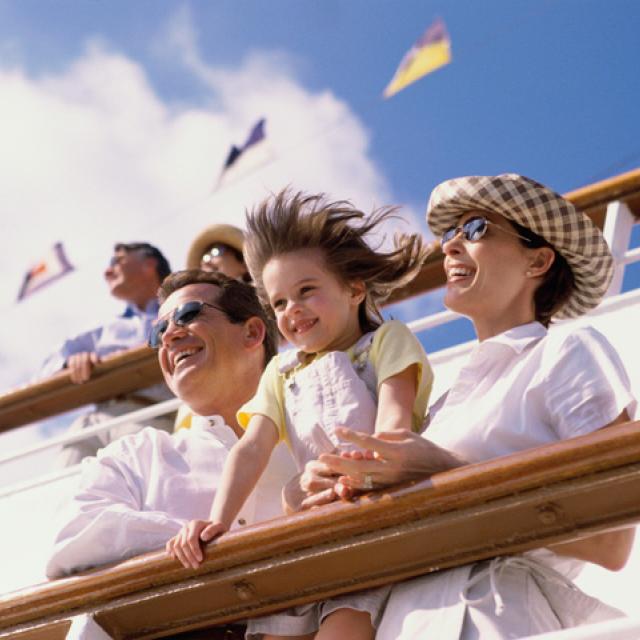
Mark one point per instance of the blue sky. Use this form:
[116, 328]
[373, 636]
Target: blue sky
[122, 113]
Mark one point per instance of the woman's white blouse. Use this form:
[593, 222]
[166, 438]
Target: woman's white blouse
[527, 387]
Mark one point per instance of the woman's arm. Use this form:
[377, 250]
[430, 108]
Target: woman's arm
[388, 458]
[245, 464]
[611, 549]
[396, 397]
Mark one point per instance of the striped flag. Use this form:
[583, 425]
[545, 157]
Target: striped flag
[53, 266]
[430, 52]
[251, 155]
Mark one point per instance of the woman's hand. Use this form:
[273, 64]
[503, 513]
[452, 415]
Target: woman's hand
[313, 487]
[186, 546]
[386, 458]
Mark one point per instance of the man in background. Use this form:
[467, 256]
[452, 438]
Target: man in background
[134, 274]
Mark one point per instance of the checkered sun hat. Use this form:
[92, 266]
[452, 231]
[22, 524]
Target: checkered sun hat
[534, 206]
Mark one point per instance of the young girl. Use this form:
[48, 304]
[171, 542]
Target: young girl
[311, 264]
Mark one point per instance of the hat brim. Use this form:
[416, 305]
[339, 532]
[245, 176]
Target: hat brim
[538, 208]
[224, 233]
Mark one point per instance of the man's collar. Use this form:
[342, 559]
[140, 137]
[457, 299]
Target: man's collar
[519, 338]
[132, 310]
[207, 421]
[215, 424]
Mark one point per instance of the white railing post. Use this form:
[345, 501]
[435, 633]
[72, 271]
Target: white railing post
[617, 232]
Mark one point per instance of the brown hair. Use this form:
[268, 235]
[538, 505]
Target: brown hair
[558, 282]
[237, 300]
[289, 222]
[148, 251]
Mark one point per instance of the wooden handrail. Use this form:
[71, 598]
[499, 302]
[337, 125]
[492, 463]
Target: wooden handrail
[120, 374]
[530, 499]
[138, 368]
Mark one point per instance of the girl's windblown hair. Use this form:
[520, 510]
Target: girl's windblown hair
[290, 222]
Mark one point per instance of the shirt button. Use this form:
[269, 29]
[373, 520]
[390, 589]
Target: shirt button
[242, 522]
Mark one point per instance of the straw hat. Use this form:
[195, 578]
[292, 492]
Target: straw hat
[224, 233]
[538, 208]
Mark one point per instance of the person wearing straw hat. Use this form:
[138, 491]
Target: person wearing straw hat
[517, 256]
[219, 248]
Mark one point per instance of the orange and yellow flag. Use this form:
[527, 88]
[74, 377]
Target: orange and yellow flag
[431, 51]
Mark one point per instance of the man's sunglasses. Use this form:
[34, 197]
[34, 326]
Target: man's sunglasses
[181, 316]
[474, 229]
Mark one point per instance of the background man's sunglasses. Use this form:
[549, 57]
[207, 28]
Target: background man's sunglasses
[474, 229]
[181, 316]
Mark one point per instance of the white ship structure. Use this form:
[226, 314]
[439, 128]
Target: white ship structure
[511, 504]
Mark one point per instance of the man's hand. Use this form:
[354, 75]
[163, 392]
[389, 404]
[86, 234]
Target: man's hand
[186, 546]
[80, 366]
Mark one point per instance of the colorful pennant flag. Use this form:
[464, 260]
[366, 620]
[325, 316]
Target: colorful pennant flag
[53, 266]
[252, 154]
[430, 52]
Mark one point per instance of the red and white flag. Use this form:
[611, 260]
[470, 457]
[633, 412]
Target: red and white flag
[53, 266]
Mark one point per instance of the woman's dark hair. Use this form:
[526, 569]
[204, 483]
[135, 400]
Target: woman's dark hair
[237, 299]
[290, 222]
[558, 282]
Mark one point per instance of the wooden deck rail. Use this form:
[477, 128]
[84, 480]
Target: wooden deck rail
[523, 501]
[138, 368]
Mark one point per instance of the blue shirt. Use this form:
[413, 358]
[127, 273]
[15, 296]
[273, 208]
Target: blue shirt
[129, 329]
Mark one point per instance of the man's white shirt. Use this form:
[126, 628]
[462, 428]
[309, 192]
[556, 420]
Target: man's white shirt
[139, 491]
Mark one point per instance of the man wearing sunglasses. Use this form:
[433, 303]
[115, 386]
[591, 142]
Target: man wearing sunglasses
[133, 276]
[214, 340]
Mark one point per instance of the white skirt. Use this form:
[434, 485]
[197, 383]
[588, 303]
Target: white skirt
[500, 598]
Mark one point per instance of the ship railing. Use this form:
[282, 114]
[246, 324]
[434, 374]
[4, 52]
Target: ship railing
[534, 498]
[140, 416]
[519, 502]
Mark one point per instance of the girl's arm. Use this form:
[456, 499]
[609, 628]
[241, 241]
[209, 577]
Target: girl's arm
[245, 464]
[242, 470]
[396, 397]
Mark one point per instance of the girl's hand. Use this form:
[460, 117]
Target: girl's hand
[186, 546]
[315, 486]
[386, 458]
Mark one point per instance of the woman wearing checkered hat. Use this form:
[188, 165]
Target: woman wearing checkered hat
[517, 256]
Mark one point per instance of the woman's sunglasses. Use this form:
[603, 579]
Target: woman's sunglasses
[474, 229]
[181, 316]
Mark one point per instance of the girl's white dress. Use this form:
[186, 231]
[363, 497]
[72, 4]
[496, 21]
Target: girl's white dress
[307, 398]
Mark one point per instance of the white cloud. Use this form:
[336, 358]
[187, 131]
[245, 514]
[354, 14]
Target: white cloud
[92, 155]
